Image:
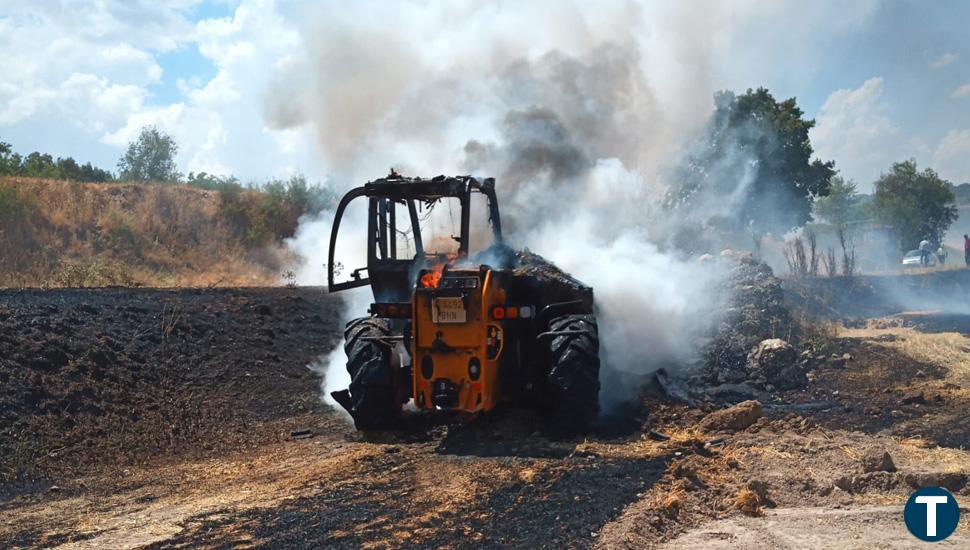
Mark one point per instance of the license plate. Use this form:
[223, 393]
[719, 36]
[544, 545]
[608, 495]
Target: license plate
[448, 310]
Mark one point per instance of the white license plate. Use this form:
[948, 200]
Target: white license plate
[448, 310]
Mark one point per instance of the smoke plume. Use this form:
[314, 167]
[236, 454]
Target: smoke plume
[575, 109]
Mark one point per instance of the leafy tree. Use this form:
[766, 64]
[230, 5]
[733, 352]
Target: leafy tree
[69, 168]
[920, 205]
[151, 157]
[842, 205]
[9, 161]
[38, 165]
[90, 173]
[43, 165]
[753, 166]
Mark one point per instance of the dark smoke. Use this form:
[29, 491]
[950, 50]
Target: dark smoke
[575, 139]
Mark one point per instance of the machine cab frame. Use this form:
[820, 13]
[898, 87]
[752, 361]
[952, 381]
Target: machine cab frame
[391, 277]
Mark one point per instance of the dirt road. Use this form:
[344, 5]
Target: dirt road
[184, 442]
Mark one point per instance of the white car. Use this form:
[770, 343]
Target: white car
[912, 259]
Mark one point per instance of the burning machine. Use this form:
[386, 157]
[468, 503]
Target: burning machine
[460, 322]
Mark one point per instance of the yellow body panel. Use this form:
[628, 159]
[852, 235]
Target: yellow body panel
[452, 345]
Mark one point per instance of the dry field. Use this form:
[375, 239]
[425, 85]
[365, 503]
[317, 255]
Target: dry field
[186, 443]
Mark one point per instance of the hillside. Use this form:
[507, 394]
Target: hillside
[56, 233]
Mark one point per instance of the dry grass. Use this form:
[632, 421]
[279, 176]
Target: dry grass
[108, 234]
[818, 335]
[945, 459]
[769, 452]
[953, 263]
[748, 502]
[851, 453]
[673, 501]
[950, 350]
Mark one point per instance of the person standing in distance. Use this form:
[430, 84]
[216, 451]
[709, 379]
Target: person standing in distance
[966, 249]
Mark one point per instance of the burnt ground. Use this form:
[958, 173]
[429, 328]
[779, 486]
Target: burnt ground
[162, 419]
[124, 376]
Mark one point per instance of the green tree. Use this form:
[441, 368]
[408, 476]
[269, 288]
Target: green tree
[840, 208]
[90, 173]
[753, 166]
[69, 169]
[151, 157]
[39, 165]
[842, 205]
[919, 205]
[9, 161]
[43, 165]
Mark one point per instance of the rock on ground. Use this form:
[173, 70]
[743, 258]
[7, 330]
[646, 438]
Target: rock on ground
[774, 361]
[878, 461]
[732, 419]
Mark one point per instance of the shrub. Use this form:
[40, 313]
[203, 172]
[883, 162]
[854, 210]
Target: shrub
[18, 459]
[261, 215]
[95, 273]
[13, 205]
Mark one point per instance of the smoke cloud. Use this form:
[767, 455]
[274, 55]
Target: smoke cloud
[576, 109]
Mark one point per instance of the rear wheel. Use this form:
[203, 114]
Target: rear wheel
[373, 397]
[574, 374]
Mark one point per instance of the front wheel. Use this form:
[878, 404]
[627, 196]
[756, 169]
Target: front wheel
[574, 372]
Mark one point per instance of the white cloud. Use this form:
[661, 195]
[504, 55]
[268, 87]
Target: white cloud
[99, 70]
[89, 88]
[952, 158]
[944, 60]
[71, 71]
[962, 91]
[221, 129]
[853, 129]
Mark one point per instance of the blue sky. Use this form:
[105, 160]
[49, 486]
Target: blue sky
[900, 43]
[186, 62]
[249, 86]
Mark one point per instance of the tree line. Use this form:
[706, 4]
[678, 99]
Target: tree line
[43, 165]
[916, 204]
[752, 171]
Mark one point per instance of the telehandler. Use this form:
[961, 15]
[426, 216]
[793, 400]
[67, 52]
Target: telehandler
[457, 327]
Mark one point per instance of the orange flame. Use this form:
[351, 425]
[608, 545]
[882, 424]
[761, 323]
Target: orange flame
[433, 277]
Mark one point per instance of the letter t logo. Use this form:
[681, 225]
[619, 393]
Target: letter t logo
[930, 502]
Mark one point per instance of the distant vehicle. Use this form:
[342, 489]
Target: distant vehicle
[912, 259]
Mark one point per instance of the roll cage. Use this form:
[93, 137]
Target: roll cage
[392, 276]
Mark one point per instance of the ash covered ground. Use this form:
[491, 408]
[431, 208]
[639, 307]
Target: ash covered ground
[166, 419]
[121, 376]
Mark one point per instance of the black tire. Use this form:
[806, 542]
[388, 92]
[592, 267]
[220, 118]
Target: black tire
[574, 373]
[373, 395]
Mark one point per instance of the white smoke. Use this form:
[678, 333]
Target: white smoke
[575, 108]
[653, 307]
[311, 244]
[332, 366]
